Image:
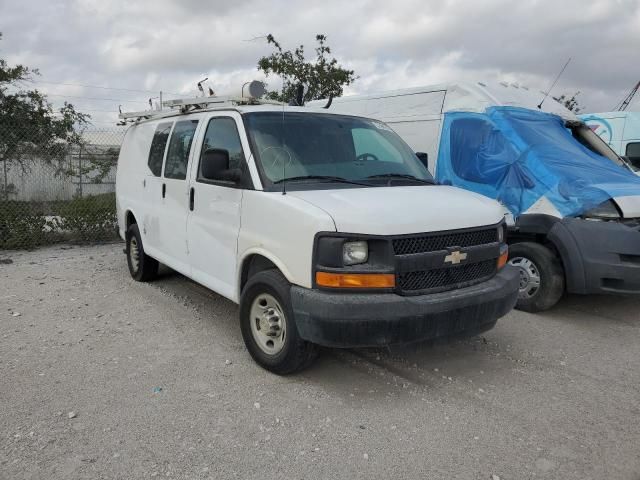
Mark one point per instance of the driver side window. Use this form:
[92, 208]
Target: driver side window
[222, 133]
[368, 141]
[479, 152]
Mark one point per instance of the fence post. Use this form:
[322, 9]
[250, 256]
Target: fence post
[80, 171]
[6, 180]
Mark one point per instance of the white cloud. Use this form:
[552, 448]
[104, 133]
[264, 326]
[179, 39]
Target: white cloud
[170, 45]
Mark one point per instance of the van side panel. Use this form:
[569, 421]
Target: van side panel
[608, 127]
[131, 173]
[282, 228]
[421, 135]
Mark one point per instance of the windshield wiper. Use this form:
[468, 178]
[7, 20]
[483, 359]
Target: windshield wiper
[404, 176]
[327, 178]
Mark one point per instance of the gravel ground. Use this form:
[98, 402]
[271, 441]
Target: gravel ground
[103, 377]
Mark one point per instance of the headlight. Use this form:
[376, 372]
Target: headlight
[605, 211]
[354, 253]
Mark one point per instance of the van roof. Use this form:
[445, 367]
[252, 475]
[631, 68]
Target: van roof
[469, 97]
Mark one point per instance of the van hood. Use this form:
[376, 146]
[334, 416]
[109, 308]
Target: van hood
[403, 210]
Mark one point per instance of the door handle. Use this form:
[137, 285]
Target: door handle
[164, 189]
[192, 194]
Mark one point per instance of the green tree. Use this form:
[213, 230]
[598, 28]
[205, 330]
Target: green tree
[323, 76]
[30, 128]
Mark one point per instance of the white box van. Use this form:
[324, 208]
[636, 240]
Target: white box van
[620, 130]
[573, 204]
[325, 228]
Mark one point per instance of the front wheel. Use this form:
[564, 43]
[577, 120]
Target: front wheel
[541, 276]
[268, 327]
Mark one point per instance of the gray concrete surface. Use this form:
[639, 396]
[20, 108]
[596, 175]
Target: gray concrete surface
[145, 370]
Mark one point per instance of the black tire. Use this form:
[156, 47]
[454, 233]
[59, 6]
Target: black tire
[147, 267]
[296, 354]
[551, 275]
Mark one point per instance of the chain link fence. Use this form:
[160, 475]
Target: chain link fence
[60, 192]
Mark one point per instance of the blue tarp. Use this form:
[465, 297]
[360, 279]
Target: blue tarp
[517, 155]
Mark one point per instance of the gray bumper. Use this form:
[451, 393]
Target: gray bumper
[370, 319]
[598, 257]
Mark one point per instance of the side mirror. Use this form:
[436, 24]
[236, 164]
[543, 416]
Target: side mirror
[424, 158]
[635, 161]
[215, 166]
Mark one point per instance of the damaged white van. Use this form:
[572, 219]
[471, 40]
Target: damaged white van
[573, 205]
[309, 220]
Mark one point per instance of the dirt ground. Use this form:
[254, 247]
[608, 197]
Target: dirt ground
[103, 377]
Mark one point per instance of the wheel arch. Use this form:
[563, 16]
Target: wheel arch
[255, 261]
[552, 232]
[129, 219]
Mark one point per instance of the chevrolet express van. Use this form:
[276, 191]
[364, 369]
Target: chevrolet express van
[308, 220]
[572, 204]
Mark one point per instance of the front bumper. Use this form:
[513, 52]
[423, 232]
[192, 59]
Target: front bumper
[377, 319]
[599, 257]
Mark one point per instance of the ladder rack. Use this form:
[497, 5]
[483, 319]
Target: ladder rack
[185, 105]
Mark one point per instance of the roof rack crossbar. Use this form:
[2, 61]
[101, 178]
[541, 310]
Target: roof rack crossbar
[198, 103]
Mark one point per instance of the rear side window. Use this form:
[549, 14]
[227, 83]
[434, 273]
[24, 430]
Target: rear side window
[179, 148]
[223, 133]
[158, 144]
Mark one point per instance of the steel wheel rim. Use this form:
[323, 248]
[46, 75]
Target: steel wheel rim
[134, 253]
[529, 276]
[268, 324]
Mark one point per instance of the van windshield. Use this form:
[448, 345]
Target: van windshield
[311, 148]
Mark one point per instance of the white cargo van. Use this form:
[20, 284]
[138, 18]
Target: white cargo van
[309, 220]
[620, 130]
[573, 205]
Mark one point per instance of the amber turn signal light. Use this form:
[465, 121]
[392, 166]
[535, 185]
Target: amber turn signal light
[355, 280]
[503, 258]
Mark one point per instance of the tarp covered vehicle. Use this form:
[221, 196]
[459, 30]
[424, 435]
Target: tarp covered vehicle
[572, 204]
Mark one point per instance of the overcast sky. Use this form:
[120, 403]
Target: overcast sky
[169, 45]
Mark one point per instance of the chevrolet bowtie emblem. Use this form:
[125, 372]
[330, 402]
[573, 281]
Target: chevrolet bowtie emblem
[455, 257]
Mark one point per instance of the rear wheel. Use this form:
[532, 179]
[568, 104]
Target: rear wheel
[268, 326]
[142, 267]
[541, 276]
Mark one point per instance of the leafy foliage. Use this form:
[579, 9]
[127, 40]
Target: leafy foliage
[88, 218]
[29, 224]
[324, 77]
[29, 126]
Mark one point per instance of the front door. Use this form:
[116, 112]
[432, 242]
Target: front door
[214, 222]
[175, 197]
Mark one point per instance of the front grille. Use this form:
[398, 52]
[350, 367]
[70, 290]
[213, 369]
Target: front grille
[435, 242]
[447, 278]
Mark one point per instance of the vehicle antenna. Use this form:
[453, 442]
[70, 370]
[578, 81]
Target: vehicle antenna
[553, 84]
